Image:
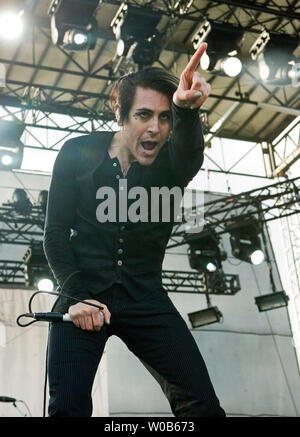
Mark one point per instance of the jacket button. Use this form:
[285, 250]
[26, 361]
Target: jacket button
[120, 262]
[123, 228]
[120, 251]
[121, 240]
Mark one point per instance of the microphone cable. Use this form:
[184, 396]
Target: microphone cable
[14, 402]
[52, 316]
[33, 315]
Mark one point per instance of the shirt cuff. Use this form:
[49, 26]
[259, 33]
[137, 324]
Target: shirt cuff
[185, 113]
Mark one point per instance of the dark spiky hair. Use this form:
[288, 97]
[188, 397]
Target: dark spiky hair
[154, 78]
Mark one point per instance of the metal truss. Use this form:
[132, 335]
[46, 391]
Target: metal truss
[31, 106]
[274, 9]
[19, 229]
[109, 74]
[37, 114]
[195, 282]
[37, 97]
[283, 152]
[37, 105]
[46, 100]
[272, 202]
[11, 272]
[266, 203]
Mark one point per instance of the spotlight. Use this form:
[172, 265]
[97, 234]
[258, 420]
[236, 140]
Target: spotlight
[245, 242]
[11, 148]
[274, 54]
[257, 257]
[80, 38]
[73, 25]
[222, 55]
[6, 160]
[272, 301]
[204, 253]
[36, 270]
[20, 202]
[75, 40]
[136, 35]
[11, 25]
[232, 66]
[205, 317]
[211, 267]
[45, 285]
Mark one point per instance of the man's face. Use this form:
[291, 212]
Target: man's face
[148, 125]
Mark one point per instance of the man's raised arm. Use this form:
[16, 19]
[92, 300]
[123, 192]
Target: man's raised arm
[187, 144]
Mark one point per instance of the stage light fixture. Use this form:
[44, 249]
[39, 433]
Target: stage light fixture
[11, 147]
[37, 273]
[136, 34]
[205, 317]
[6, 160]
[245, 241]
[271, 301]
[274, 54]
[11, 25]
[73, 25]
[80, 38]
[20, 202]
[257, 257]
[45, 284]
[222, 56]
[204, 252]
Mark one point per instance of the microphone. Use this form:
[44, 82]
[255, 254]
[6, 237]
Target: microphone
[7, 399]
[55, 317]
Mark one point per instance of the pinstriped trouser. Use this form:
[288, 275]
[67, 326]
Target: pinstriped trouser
[155, 332]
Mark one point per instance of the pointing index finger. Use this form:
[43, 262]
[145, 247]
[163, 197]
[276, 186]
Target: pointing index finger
[195, 59]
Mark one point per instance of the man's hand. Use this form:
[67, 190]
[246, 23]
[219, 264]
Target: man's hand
[87, 317]
[193, 89]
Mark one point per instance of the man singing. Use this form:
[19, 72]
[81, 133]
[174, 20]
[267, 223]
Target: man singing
[116, 265]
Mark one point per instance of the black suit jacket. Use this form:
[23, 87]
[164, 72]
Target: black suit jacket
[87, 256]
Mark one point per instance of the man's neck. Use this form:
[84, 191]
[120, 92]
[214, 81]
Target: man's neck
[117, 149]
